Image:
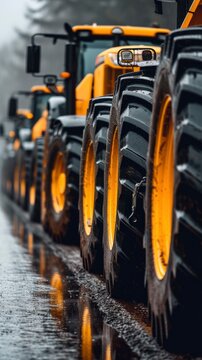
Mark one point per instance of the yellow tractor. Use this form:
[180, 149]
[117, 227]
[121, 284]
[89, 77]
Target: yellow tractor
[154, 143]
[90, 71]
[26, 127]
[174, 191]
[17, 118]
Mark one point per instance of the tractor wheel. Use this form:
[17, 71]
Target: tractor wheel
[174, 196]
[125, 172]
[92, 183]
[62, 184]
[8, 164]
[35, 181]
[47, 139]
[24, 178]
[16, 177]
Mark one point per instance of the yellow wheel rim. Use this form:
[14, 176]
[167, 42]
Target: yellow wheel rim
[163, 189]
[89, 188]
[112, 193]
[58, 183]
[32, 193]
[23, 182]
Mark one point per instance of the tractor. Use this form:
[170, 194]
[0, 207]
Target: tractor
[90, 71]
[19, 140]
[152, 211]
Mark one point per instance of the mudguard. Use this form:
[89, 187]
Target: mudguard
[56, 107]
[69, 121]
[27, 145]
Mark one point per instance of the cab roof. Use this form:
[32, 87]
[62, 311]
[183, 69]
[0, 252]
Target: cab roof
[127, 30]
[44, 89]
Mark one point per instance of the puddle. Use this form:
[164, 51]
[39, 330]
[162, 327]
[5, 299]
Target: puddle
[75, 319]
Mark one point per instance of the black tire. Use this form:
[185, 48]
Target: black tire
[16, 176]
[124, 260]
[63, 225]
[175, 299]
[47, 138]
[24, 177]
[95, 133]
[7, 173]
[35, 181]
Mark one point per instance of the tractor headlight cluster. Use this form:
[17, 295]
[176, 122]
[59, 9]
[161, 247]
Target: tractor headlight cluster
[136, 57]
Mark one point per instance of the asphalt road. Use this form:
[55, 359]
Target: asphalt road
[52, 309]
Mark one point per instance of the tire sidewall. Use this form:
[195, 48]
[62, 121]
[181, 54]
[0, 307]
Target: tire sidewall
[86, 240]
[158, 290]
[110, 255]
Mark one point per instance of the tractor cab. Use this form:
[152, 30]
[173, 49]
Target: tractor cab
[83, 45]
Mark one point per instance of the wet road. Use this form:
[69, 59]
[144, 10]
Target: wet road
[52, 309]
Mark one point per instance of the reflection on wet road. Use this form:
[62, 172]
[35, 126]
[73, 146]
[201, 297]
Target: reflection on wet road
[44, 313]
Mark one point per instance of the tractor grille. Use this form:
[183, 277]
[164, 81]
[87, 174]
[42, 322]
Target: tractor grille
[110, 78]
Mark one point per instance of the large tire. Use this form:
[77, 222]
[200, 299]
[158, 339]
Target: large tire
[24, 167]
[62, 200]
[16, 176]
[174, 196]
[125, 171]
[35, 181]
[47, 138]
[92, 183]
[7, 169]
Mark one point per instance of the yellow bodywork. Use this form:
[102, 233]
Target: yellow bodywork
[127, 30]
[102, 81]
[26, 113]
[107, 69]
[194, 15]
[44, 89]
[84, 94]
[40, 126]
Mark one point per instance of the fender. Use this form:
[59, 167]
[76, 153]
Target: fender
[56, 107]
[70, 121]
[25, 135]
[28, 146]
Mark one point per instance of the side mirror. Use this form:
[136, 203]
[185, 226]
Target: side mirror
[33, 59]
[12, 107]
[1, 130]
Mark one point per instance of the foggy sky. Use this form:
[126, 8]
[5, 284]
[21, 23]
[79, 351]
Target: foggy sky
[11, 16]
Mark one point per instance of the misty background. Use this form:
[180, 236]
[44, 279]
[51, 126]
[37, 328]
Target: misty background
[21, 18]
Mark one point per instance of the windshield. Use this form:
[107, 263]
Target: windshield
[88, 50]
[40, 104]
